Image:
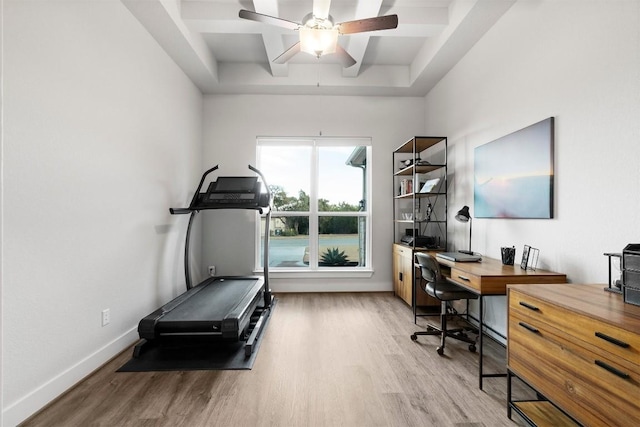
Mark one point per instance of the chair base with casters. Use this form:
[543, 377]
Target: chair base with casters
[459, 334]
[441, 288]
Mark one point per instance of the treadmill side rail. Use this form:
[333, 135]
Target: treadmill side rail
[147, 325]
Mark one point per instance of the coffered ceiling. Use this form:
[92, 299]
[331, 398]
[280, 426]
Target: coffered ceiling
[223, 53]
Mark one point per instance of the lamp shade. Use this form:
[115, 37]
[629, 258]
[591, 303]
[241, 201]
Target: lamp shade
[317, 41]
[463, 214]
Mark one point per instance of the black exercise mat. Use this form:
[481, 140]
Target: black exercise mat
[217, 356]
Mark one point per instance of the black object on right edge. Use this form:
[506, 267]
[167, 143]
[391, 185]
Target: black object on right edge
[631, 273]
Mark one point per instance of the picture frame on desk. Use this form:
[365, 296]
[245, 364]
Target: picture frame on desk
[529, 258]
[525, 257]
[532, 263]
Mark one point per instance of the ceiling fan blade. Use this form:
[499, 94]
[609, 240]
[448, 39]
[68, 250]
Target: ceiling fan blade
[346, 59]
[321, 8]
[287, 54]
[386, 22]
[271, 20]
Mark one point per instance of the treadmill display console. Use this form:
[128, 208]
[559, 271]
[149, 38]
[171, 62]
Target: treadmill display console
[236, 190]
[235, 184]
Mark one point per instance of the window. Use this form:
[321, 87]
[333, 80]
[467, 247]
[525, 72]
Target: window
[320, 217]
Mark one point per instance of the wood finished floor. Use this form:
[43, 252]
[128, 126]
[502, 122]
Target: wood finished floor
[335, 359]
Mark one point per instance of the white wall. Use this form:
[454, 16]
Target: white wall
[232, 123]
[580, 62]
[102, 133]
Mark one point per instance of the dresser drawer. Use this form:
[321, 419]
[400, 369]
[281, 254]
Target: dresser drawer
[595, 390]
[599, 337]
[466, 279]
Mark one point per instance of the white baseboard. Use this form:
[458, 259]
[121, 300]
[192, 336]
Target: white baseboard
[40, 397]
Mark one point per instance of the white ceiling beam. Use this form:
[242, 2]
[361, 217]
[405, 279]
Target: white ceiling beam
[208, 10]
[296, 10]
[358, 42]
[215, 17]
[470, 20]
[251, 27]
[272, 39]
[306, 75]
[162, 20]
[222, 18]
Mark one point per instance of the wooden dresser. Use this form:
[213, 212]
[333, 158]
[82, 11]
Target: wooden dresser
[579, 347]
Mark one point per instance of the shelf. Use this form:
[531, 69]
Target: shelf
[424, 221]
[421, 143]
[542, 413]
[410, 195]
[408, 171]
[420, 248]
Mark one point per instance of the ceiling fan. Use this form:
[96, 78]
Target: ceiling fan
[319, 33]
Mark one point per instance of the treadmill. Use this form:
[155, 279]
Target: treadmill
[221, 308]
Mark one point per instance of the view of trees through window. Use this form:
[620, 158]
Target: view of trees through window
[319, 193]
[296, 225]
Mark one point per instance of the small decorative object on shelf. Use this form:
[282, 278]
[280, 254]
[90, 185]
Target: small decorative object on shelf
[615, 272]
[508, 255]
[529, 258]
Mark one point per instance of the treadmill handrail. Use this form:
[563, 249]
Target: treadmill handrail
[193, 210]
[179, 211]
[265, 260]
[197, 193]
[194, 206]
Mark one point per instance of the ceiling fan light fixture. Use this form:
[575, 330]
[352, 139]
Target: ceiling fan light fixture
[317, 41]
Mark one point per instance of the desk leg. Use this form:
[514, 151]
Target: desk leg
[481, 327]
[414, 297]
[480, 332]
[509, 394]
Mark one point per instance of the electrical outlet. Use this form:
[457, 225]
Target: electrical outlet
[106, 317]
[212, 270]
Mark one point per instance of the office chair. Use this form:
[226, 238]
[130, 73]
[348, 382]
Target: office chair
[441, 288]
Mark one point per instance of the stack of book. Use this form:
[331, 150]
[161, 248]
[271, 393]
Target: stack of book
[406, 186]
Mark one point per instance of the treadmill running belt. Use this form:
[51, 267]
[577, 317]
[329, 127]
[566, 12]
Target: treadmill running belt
[215, 301]
[219, 306]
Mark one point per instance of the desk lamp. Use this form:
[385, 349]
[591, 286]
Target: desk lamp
[463, 215]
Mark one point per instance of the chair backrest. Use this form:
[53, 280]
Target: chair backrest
[429, 267]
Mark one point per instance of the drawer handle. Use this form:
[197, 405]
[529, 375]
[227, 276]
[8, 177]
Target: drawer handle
[466, 279]
[612, 370]
[612, 340]
[528, 327]
[529, 306]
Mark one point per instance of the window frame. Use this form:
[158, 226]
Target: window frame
[314, 270]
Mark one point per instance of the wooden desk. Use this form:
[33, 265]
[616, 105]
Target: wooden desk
[489, 278]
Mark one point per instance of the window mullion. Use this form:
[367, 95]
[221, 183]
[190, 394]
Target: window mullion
[313, 209]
